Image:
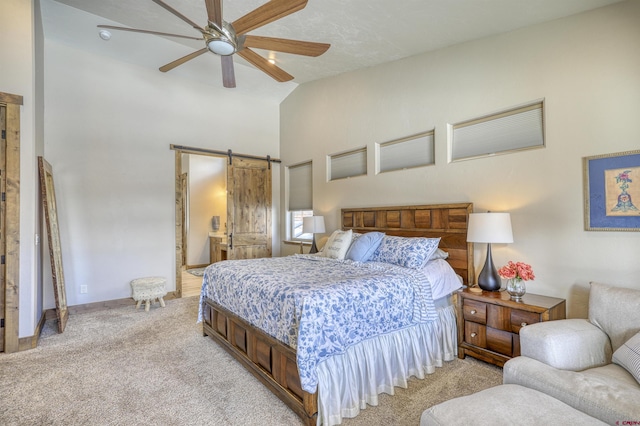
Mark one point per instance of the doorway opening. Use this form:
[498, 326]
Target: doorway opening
[223, 208]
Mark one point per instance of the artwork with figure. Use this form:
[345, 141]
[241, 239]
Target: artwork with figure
[612, 191]
[621, 191]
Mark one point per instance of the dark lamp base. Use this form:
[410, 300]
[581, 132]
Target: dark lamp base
[314, 248]
[489, 279]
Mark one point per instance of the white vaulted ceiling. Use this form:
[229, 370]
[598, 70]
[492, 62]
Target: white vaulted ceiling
[362, 33]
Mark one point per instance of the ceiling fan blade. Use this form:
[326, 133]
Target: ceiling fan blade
[268, 12]
[179, 15]
[214, 11]
[133, 30]
[297, 47]
[228, 75]
[190, 56]
[265, 66]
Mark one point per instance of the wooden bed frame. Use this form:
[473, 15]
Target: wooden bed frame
[273, 362]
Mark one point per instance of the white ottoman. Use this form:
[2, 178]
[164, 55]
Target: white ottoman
[147, 290]
[505, 405]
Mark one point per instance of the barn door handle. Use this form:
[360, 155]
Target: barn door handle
[231, 241]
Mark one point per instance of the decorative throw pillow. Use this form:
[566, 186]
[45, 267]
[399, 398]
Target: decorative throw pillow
[364, 246]
[338, 244]
[407, 252]
[628, 356]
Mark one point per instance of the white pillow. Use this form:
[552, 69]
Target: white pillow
[442, 277]
[439, 254]
[628, 356]
[338, 244]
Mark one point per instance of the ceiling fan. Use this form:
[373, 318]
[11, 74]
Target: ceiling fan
[228, 38]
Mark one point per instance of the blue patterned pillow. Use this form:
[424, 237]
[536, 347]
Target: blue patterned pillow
[363, 246]
[408, 252]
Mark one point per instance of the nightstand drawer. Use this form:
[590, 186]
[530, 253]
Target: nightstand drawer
[521, 319]
[475, 311]
[475, 334]
[499, 341]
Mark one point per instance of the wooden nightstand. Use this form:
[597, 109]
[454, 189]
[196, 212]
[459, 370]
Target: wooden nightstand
[489, 322]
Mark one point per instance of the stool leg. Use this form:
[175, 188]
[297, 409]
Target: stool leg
[147, 304]
[161, 301]
[138, 304]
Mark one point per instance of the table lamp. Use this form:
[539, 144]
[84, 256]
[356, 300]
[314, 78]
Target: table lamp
[489, 228]
[313, 225]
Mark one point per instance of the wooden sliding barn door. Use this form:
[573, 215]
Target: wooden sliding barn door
[3, 130]
[9, 221]
[248, 208]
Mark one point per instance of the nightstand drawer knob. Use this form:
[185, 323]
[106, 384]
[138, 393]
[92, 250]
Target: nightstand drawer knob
[523, 324]
[473, 312]
[474, 334]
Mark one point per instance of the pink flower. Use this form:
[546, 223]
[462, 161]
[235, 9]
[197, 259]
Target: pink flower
[518, 271]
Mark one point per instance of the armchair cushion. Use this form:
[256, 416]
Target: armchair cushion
[608, 393]
[615, 311]
[572, 344]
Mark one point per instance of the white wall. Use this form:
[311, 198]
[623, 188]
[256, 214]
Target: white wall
[108, 128]
[207, 198]
[585, 67]
[19, 36]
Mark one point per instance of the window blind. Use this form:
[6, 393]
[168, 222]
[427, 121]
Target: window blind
[415, 151]
[301, 187]
[348, 164]
[521, 128]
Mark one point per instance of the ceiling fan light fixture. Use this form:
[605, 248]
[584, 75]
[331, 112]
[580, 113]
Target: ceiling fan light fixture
[221, 46]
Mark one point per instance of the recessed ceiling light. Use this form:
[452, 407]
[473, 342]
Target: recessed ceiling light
[272, 61]
[104, 34]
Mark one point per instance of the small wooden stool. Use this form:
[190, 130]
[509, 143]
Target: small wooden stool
[148, 289]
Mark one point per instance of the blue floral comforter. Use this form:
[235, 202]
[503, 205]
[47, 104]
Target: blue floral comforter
[319, 306]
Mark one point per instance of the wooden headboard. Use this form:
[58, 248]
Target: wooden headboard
[447, 221]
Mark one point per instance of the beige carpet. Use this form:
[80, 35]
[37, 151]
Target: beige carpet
[127, 367]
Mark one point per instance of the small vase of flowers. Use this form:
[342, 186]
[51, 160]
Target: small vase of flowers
[516, 273]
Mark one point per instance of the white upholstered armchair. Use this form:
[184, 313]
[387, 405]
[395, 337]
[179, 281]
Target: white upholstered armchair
[590, 364]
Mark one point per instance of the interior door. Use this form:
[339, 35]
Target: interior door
[183, 187]
[248, 209]
[3, 129]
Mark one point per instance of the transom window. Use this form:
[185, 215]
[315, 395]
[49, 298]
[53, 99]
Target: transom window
[406, 153]
[507, 131]
[348, 164]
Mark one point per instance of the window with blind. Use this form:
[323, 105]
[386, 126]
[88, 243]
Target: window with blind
[300, 198]
[348, 164]
[413, 151]
[512, 130]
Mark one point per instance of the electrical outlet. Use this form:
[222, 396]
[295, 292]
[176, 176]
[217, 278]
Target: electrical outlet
[83, 289]
[37, 239]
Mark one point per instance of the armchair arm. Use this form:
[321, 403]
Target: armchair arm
[571, 344]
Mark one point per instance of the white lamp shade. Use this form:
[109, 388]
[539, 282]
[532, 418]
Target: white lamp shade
[313, 224]
[489, 228]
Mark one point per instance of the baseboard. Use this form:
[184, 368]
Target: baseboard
[204, 265]
[31, 342]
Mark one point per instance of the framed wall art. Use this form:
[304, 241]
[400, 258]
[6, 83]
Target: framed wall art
[612, 192]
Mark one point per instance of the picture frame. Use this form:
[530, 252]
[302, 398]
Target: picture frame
[612, 191]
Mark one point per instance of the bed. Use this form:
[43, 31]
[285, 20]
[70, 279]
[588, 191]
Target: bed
[325, 372]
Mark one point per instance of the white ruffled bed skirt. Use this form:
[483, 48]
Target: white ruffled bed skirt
[350, 381]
